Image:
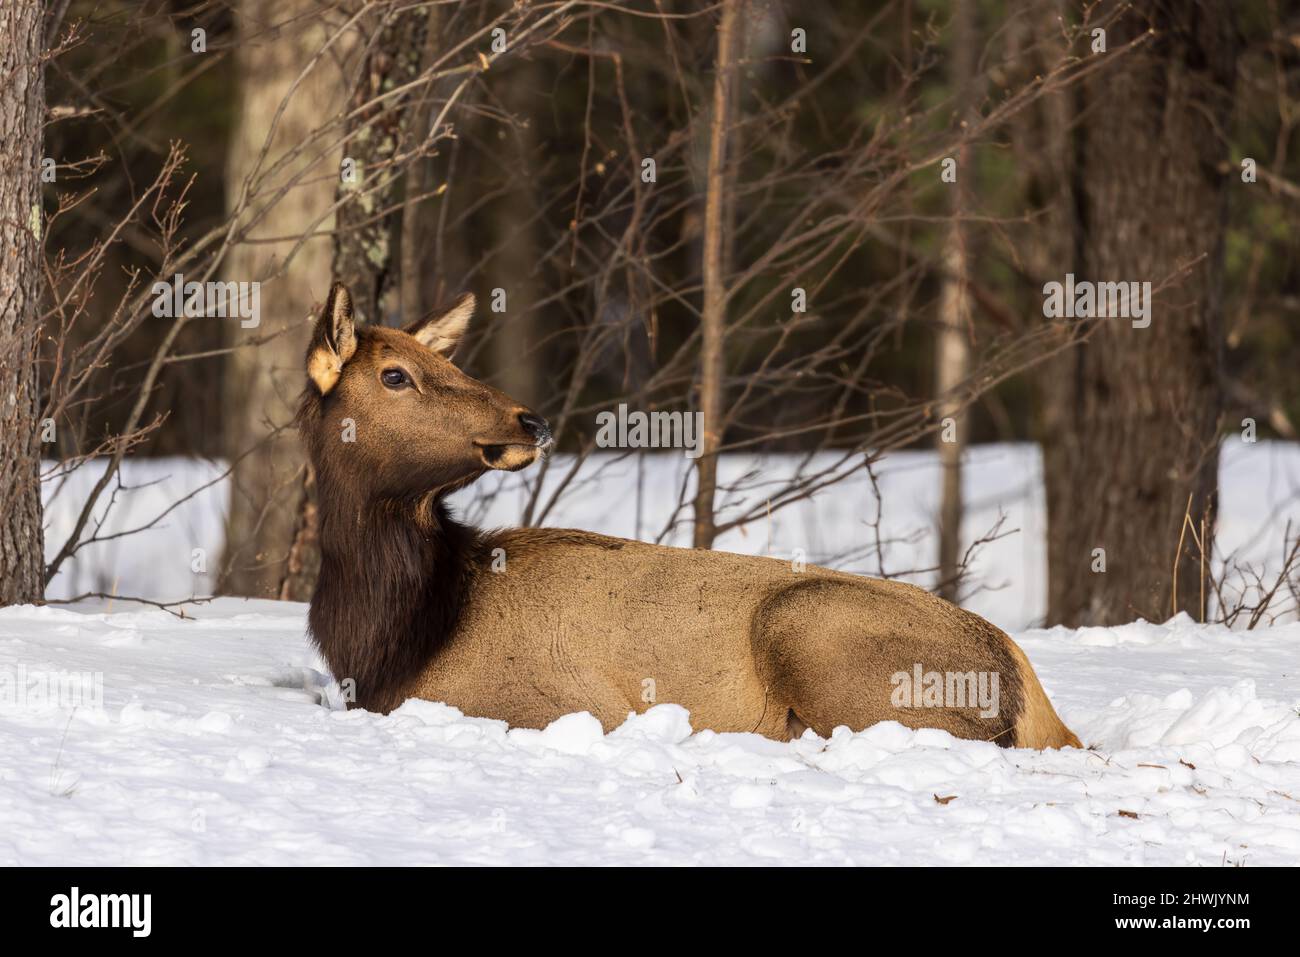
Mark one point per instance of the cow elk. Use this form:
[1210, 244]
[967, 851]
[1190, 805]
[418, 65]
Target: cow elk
[528, 624]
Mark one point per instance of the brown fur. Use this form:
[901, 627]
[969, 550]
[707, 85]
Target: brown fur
[411, 603]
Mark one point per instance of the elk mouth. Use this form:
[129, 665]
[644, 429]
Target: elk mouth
[508, 456]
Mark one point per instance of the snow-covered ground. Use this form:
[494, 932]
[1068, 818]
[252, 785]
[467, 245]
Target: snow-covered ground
[206, 741]
[216, 739]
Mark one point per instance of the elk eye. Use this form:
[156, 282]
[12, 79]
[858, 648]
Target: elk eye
[394, 378]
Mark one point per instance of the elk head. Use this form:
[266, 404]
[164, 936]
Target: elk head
[388, 415]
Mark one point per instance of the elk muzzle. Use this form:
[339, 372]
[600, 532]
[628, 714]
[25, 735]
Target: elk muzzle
[510, 456]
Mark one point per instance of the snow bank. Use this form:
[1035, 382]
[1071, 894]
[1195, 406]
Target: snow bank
[215, 740]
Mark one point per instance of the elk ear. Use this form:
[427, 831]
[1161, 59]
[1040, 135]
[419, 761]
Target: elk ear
[441, 332]
[334, 342]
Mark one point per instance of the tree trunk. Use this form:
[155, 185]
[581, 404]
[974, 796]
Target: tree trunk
[417, 270]
[1137, 446]
[303, 565]
[1042, 141]
[263, 382]
[952, 346]
[22, 123]
[513, 337]
[377, 136]
[713, 319]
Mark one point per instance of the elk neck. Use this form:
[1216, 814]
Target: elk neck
[394, 577]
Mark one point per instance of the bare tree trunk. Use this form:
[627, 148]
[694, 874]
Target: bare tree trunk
[1042, 139]
[1138, 444]
[303, 564]
[419, 217]
[952, 366]
[391, 57]
[952, 347]
[513, 336]
[22, 122]
[713, 319]
[263, 382]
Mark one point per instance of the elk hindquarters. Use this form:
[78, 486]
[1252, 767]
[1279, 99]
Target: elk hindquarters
[838, 651]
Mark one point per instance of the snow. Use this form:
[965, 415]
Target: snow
[131, 736]
[216, 740]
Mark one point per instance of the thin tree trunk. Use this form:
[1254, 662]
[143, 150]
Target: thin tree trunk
[1140, 416]
[952, 366]
[263, 382]
[1045, 146]
[513, 334]
[303, 564]
[419, 217]
[714, 316]
[22, 120]
[952, 346]
[369, 218]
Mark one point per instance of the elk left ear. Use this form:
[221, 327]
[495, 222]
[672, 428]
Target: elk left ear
[442, 332]
[333, 342]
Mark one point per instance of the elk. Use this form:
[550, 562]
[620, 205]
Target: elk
[529, 624]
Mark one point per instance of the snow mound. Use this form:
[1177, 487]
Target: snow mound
[218, 739]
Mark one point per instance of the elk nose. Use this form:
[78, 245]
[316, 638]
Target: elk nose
[536, 427]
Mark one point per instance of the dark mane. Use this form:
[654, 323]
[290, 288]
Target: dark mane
[394, 577]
